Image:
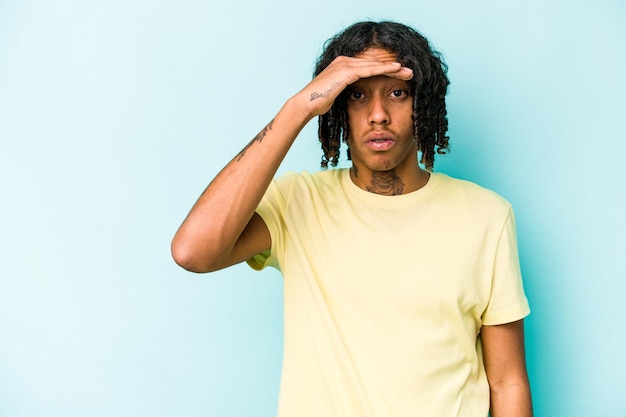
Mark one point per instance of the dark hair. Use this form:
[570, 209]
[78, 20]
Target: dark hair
[428, 86]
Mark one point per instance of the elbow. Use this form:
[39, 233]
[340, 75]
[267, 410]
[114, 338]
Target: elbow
[191, 260]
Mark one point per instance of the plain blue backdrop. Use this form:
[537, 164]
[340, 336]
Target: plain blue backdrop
[114, 116]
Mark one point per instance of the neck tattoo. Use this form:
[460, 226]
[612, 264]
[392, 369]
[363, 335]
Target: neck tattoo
[386, 183]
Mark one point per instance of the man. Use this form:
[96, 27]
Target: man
[403, 295]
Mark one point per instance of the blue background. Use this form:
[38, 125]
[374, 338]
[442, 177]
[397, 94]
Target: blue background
[115, 115]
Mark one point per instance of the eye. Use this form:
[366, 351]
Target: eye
[355, 95]
[399, 93]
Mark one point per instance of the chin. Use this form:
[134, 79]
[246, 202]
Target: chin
[381, 165]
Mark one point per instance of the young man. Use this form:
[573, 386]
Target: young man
[403, 294]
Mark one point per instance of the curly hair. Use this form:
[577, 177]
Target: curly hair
[428, 86]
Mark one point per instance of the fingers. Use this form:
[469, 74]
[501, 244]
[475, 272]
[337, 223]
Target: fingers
[356, 68]
[343, 71]
[400, 72]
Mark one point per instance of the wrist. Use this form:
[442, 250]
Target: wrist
[298, 109]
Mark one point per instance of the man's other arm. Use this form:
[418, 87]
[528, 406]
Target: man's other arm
[505, 363]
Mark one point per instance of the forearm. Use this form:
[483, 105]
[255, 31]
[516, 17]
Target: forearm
[207, 238]
[511, 401]
[224, 209]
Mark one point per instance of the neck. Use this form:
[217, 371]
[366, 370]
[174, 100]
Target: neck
[389, 182]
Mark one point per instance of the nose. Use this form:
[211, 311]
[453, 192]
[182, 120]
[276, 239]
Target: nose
[378, 112]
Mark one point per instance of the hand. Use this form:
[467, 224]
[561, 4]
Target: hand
[321, 93]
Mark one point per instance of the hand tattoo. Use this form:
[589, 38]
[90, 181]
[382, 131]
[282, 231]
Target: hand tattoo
[386, 183]
[258, 138]
[316, 95]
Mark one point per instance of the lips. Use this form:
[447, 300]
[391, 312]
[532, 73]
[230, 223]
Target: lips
[378, 142]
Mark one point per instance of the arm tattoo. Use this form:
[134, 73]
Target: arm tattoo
[315, 95]
[258, 138]
[386, 183]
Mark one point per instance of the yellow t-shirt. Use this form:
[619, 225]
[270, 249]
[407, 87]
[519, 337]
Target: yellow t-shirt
[385, 296]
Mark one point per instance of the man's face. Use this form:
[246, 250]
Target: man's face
[379, 114]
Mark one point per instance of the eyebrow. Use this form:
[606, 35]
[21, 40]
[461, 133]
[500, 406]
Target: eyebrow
[354, 85]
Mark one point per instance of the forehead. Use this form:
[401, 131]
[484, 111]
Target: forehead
[379, 81]
[378, 54]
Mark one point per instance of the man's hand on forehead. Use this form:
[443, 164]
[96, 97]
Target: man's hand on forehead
[322, 92]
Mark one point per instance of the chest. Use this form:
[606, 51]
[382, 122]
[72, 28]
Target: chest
[419, 260]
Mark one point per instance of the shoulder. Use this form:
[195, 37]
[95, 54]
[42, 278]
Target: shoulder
[463, 194]
[328, 179]
[470, 190]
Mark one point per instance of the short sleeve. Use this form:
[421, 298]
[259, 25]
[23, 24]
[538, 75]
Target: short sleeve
[272, 210]
[507, 302]
[259, 261]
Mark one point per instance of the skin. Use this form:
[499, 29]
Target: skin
[503, 353]
[382, 143]
[222, 228]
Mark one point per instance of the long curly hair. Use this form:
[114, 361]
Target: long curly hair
[428, 86]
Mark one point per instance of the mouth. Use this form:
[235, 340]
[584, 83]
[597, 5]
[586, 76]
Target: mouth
[380, 143]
